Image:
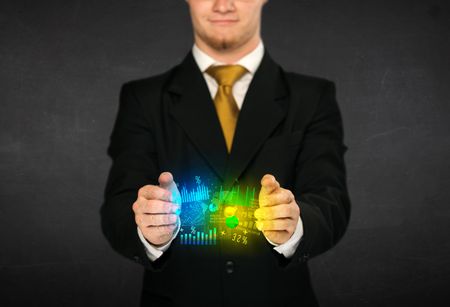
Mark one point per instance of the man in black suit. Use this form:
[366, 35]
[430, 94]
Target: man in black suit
[229, 113]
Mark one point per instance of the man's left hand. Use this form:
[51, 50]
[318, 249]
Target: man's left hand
[278, 212]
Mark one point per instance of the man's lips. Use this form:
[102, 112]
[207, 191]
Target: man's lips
[223, 21]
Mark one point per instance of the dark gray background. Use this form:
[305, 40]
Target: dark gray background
[61, 67]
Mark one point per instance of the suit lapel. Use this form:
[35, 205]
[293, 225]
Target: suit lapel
[263, 109]
[194, 110]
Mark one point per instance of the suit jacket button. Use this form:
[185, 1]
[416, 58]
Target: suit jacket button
[229, 267]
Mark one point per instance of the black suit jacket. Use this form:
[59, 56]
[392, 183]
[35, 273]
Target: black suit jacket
[289, 126]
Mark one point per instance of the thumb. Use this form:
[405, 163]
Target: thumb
[268, 185]
[166, 182]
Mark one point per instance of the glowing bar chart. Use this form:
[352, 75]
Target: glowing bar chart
[200, 238]
[236, 196]
[199, 194]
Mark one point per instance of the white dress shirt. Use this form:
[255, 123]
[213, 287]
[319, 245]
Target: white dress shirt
[251, 62]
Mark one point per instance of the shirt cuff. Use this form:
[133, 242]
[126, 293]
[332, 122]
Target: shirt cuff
[288, 248]
[154, 252]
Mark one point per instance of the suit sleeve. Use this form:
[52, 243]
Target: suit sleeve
[134, 164]
[320, 179]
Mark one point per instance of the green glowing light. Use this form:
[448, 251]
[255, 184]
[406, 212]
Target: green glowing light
[232, 221]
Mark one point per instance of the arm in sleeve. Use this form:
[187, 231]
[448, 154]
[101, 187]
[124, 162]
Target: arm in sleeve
[320, 179]
[287, 249]
[154, 252]
[134, 165]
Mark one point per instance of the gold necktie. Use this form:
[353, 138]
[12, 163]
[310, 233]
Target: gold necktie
[226, 107]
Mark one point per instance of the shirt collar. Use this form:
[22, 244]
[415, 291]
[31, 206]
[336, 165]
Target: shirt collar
[250, 61]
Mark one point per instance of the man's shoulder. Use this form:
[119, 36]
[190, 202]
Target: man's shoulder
[150, 83]
[307, 81]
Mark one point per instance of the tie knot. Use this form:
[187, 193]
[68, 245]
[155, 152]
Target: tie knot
[226, 74]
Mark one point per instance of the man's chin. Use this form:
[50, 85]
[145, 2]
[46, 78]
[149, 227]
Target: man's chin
[222, 44]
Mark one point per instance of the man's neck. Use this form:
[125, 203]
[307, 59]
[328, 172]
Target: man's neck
[228, 56]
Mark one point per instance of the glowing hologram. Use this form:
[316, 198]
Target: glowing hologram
[210, 210]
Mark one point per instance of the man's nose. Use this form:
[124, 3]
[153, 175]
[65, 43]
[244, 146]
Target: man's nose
[223, 5]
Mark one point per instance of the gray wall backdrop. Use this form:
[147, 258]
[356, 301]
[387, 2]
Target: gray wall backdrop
[61, 67]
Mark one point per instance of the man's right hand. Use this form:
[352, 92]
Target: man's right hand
[156, 210]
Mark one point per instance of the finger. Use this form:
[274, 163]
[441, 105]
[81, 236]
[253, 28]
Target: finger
[154, 192]
[276, 212]
[269, 183]
[278, 224]
[164, 228]
[167, 182]
[156, 206]
[276, 236]
[158, 219]
[280, 196]
[160, 230]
